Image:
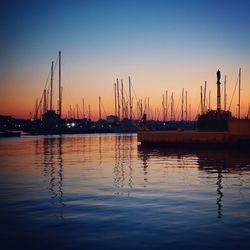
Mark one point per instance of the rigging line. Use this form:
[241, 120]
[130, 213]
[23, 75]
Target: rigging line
[104, 109]
[134, 92]
[41, 98]
[233, 93]
[178, 104]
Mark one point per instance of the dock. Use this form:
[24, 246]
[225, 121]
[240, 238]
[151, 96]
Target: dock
[238, 132]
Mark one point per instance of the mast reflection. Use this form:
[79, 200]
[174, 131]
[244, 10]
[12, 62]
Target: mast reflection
[123, 165]
[211, 162]
[53, 170]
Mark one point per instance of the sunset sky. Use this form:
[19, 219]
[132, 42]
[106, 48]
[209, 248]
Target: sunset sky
[162, 45]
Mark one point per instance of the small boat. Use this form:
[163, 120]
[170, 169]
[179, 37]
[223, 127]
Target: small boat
[9, 134]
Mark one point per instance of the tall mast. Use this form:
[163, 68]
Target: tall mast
[166, 105]
[83, 111]
[182, 104]
[44, 101]
[186, 112]
[115, 100]
[201, 102]
[189, 112]
[77, 111]
[163, 108]
[225, 93]
[51, 85]
[141, 109]
[100, 110]
[89, 113]
[209, 100]
[130, 103]
[172, 104]
[239, 92]
[60, 87]
[47, 100]
[148, 107]
[118, 99]
[204, 101]
[122, 99]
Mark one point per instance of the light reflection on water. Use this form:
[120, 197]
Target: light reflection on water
[105, 191]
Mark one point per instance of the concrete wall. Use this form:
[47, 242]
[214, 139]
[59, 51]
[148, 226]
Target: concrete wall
[182, 137]
[239, 127]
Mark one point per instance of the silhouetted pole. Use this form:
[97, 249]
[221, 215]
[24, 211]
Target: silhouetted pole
[182, 105]
[186, 118]
[70, 111]
[130, 103]
[172, 100]
[239, 92]
[83, 111]
[122, 99]
[225, 93]
[148, 108]
[141, 110]
[163, 108]
[89, 113]
[51, 85]
[100, 110]
[47, 101]
[60, 87]
[189, 112]
[77, 111]
[201, 102]
[218, 91]
[118, 99]
[115, 101]
[209, 100]
[204, 101]
[166, 105]
[44, 101]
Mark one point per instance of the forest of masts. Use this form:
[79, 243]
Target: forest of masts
[128, 106]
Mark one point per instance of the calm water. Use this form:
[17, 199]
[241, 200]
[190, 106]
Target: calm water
[105, 192]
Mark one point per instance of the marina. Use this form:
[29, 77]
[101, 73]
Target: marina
[68, 191]
[125, 125]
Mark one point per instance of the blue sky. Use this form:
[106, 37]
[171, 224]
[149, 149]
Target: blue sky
[117, 38]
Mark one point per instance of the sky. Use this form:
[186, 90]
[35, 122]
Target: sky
[162, 45]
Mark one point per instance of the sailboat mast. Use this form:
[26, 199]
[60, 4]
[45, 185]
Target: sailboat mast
[130, 102]
[118, 99]
[186, 117]
[122, 100]
[44, 101]
[239, 92]
[51, 85]
[182, 105]
[204, 101]
[225, 93]
[115, 100]
[83, 111]
[100, 110]
[60, 87]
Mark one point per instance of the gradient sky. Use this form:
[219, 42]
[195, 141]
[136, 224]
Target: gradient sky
[162, 45]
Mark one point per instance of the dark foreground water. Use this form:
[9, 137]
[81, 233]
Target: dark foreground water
[105, 192]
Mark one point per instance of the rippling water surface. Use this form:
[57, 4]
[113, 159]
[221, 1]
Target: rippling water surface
[106, 192]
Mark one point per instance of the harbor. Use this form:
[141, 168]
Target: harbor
[125, 125]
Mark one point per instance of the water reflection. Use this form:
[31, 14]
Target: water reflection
[211, 162]
[123, 149]
[53, 171]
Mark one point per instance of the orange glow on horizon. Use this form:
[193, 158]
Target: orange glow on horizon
[19, 103]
